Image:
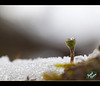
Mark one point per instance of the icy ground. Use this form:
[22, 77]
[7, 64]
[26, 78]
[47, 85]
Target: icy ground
[19, 69]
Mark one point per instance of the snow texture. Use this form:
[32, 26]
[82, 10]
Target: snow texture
[19, 69]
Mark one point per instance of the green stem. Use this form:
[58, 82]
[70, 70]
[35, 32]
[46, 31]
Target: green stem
[71, 45]
[72, 55]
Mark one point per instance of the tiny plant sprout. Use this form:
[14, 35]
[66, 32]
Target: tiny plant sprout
[71, 45]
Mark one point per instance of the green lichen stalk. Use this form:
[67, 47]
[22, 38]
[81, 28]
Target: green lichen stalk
[71, 45]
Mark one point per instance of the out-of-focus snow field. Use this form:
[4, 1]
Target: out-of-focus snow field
[40, 31]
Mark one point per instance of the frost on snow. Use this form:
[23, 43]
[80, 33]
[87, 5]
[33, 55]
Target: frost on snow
[20, 69]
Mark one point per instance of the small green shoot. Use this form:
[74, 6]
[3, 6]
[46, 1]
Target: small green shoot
[71, 45]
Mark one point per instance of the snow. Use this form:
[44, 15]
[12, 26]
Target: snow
[94, 54]
[19, 69]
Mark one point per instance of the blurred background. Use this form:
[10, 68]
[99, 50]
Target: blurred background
[31, 31]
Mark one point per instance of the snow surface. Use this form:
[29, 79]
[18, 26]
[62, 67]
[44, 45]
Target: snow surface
[19, 69]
